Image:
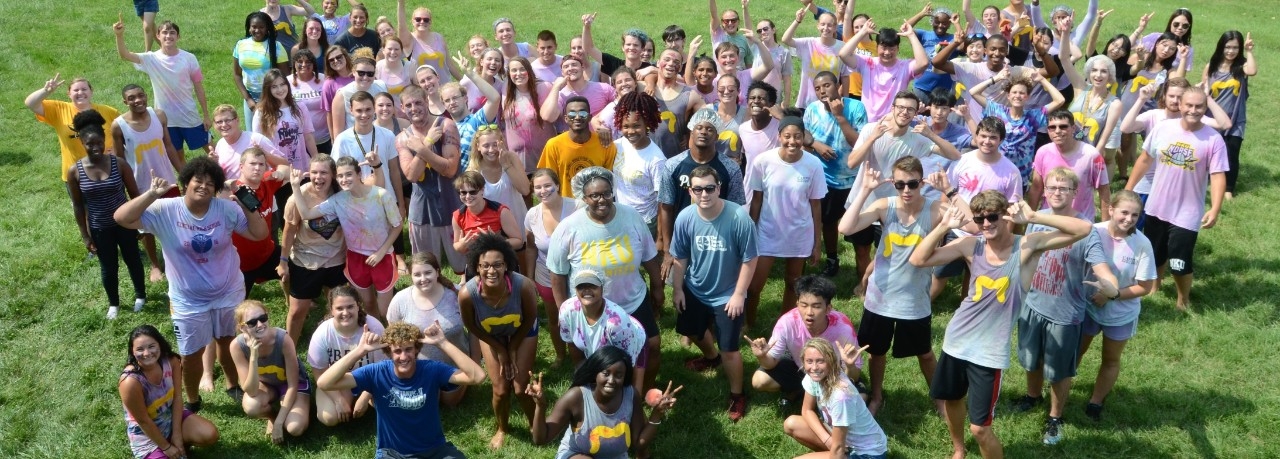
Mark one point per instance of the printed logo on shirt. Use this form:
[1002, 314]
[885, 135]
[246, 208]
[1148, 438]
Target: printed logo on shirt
[1218, 86]
[820, 61]
[894, 239]
[325, 227]
[670, 118]
[710, 243]
[729, 139]
[153, 145]
[406, 400]
[622, 429]
[497, 321]
[271, 370]
[1179, 154]
[614, 255]
[984, 284]
[1051, 275]
[201, 244]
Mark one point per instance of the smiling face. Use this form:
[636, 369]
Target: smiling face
[792, 140]
[313, 30]
[975, 51]
[609, 381]
[765, 31]
[416, 109]
[729, 22]
[384, 108]
[669, 63]
[590, 295]
[505, 33]
[647, 53]
[1193, 106]
[136, 100]
[489, 145]
[704, 192]
[345, 312]
[386, 30]
[321, 175]
[576, 115]
[598, 196]
[987, 142]
[631, 47]
[623, 84]
[404, 359]
[815, 365]
[544, 188]
[904, 111]
[517, 73]
[997, 52]
[571, 69]
[428, 80]
[546, 51]
[260, 327]
[887, 54]
[990, 17]
[1125, 214]
[424, 276]
[168, 36]
[348, 176]
[1116, 49]
[471, 197]
[146, 351]
[1059, 193]
[827, 26]
[633, 129]
[330, 7]
[279, 88]
[1100, 74]
[728, 90]
[454, 101]
[226, 125]
[757, 102]
[728, 59]
[363, 112]
[365, 74]
[813, 311]
[359, 19]
[576, 48]
[941, 23]
[1061, 132]
[422, 20]
[475, 46]
[491, 63]
[258, 29]
[1018, 94]
[704, 73]
[392, 50]
[201, 189]
[80, 93]
[492, 269]
[338, 61]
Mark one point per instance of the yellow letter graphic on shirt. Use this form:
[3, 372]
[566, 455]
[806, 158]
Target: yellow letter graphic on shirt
[670, 118]
[153, 409]
[273, 370]
[821, 61]
[488, 324]
[895, 239]
[1089, 125]
[1138, 82]
[154, 145]
[1217, 87]
[608, 252]
[604, 432]
[1001, 286]
[731, 138]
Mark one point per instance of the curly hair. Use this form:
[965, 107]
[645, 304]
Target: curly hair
[641, 104]
[202, 166]
[88, 122]
[490, 242]
[401, 334]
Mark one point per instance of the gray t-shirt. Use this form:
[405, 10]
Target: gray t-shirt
[1057, 289]
[716, 250]
[615, 249]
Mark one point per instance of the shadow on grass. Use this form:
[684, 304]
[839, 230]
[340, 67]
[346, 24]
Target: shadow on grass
[1222, 283]
[1130, 409]
[14, 158]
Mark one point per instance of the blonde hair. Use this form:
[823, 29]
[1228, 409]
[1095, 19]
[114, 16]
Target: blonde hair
[242, 310]
[1065, 174]
[226, 108]
[831, 382]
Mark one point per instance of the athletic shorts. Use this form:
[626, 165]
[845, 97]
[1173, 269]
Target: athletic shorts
[644, 314]
[380, 277]
[445, 451]
[438, 240]
[833, 205]
[1042, 342]
[150, 6]
[953, 269]
[304, 383]
[1172, 243]
[264, 272]
[195, 331]
[158, 453]
[1142, 218]
[307, 284]
[1112, 332]
[909, 337]
[698, 317]
[192, 137]
[787, 375]
[954, 379]
[868, 237]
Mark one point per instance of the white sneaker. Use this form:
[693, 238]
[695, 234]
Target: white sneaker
[112, 312]
[138, 304]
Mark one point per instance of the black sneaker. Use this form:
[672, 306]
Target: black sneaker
[237, 394]
[1052, 431]
[193, 407]
[1093, 411]
[1026, 402]
[832, 268]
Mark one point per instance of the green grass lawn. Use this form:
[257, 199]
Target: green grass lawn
[1190, 387]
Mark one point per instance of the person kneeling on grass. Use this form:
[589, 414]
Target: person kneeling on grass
[270, 371]
[601, 403]
[845, 428]
[405, 390]
[151, 396]
[334, 338]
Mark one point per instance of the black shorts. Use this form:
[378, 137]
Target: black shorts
[868, 237]
[264, 272]
[953, 269]
[1171, 243]
[954, 379]
[698, 317]
[306, 284]
[909, 337]
[787, 375]
[397, 247]
[644, 314]
[833, 206]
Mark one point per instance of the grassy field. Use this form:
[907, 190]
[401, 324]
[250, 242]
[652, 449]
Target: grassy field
[1189, 388]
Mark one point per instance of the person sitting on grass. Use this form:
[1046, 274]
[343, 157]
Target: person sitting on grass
[334, 338]
[270, 371]
[146, 383]
[589, 322]
[604, 406]
[845, 428]
[406, 390]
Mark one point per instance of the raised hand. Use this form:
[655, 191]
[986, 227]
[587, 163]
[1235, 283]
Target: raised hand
[954, 217]
[118, 27]
[869, 27]
[905, 29]
[803, 11]
[836, 106]
[962, 110]
[371, 158]
[938, 180]
[1019, 213]
[1142, 22]
[759, 347]
[462, 61]
[870, 177]
[295, 178]
[588, 19]
[533, 388]
[850, 353]
[1248, 42]
[1103, 14]
[923, 129]
[159, 186]
[53, 83]
[696, 42]
[370, 341]
[433, 335]
[928, 9]
[668, 399]
[1002, 75]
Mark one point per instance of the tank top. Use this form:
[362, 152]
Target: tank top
[285, 35]
[503, 320]
[1130, 94]
[271, 367]
[981, 329]
[145, 152]
[158, 399]
[672, 135]
[102, 197]
[894, 290]
[1092, 120]
[601, 435]
[446, 312]
[319, 243]
[506, 194]
[1231, 94]
[434, 199]
[489, 218]
[431, 52]
[533, 223]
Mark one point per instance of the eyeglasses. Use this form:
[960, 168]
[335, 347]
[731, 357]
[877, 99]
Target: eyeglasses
[365, 73]
[1059, 189]
[256, 320]
[764, 29]
[703, 189]
[989, 218]
[906, 108]
[422, 20]
[335, 58]
[486, 128]
[1058, 127]
[599, 196]
[580, 114]
[912, 184]
[729, 21]
[491, 267]
[468, 192]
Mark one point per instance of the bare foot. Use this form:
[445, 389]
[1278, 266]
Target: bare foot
[684, 341]
[271, 425]
[496, 442]
[156, 275]
[1229, 196]
[957, 454]
[206, 383]
[1183, 306]
[874, 405]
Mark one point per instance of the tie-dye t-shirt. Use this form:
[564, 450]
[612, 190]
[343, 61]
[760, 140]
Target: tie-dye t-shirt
[613, 328]
[816, 57]
[173, 81]
[255, 61]
[1019, 143]
[365, 220]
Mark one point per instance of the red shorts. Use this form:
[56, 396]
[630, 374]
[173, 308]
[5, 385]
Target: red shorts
[381, 277]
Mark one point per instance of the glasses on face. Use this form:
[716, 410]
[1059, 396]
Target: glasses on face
[491, 267]
[580, 114]
[486, 128]
[599, 196]
[468, 192]
[988, 218]
[729, 21]
[256, 320]
[905, 108]
[1059, 189]
[703, 189]
[422, 20]
[365, 73]
[912, 184]
[764, 29]
[1058, 127]
[336, 58]
[1180, 25]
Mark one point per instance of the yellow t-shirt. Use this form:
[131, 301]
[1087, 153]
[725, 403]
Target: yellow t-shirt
[567, 158]
[58, 114]
[855, 78]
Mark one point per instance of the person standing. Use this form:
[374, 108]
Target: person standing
[429, 156]
[144, 140]
[579, 147]
[175, 75]
[1228, 76]
[59, 115]
[1084, 161]
[834, 121]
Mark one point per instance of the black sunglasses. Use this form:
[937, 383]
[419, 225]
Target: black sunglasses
[256, 320]
[990, 218]
[365, 73]
[912, 184]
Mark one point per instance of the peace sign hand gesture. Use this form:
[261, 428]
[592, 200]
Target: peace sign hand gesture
[668, 399]
[533, 388]
[462, 61]
[53, 83]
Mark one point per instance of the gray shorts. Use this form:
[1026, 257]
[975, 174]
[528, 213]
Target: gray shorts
[437, 240]
[1112, 332]
[1041, 342]
[195, 331]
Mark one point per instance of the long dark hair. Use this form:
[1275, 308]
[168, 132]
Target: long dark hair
[603, 358]
[166, 351]
[1168, 27]
[1237, 65]
[271, 33]
[530, 86]
[271, 109]
[305, 43]
[1124, 43]
[1167, 64]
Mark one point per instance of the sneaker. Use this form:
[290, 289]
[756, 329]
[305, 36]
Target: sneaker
[701, 364]
[193, 407]
[784, 407]
[1093, 411]
[112, 312]
[138, 304]
[1052, 431]
[737, 406]
[1026, 402]
[832, 268]
[237, 394]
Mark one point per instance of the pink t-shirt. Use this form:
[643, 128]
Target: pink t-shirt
[970, 175]
[307, 94]
[173, 81]
[525, 134]
[547, 73]
[366, 220]
[816, 57]
[1088, 165]
[1183, 162]
[229, 153]
[790, 335]
[476, 99]
[880, 83]
[970, 74]
[756, 142]
[289, 135]
[598, 95]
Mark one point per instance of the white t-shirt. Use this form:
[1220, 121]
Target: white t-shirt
[349, 144]
[638, 176]
[328, 346]
[365, 221]
[844, 408]
[785, 229]
[203, 267]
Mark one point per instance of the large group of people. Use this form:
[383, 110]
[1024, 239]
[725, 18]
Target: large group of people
[592, 182]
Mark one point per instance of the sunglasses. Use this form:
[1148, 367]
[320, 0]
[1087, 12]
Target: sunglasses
[256, 320]
[580, 114]
[337, 58]
[487, 127]
[1058, 127]
[365, 73]
[422, 20]
[703, 189]
[989, 218]
[468, 192]
[729, 21]
[912, 184]
[763, 29]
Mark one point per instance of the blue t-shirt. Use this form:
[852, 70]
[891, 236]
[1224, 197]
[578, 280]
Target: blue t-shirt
[822, 124]
[466, 133]
[932, 42]
[408, 409]
[1019, 143]
[715, 249]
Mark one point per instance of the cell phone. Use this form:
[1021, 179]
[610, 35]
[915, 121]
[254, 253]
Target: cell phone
[246, 197]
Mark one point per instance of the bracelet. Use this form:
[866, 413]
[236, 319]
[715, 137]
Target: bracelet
[166, 448]
[284, 258]
[952, 193]
[654, 423]
[376, 167]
